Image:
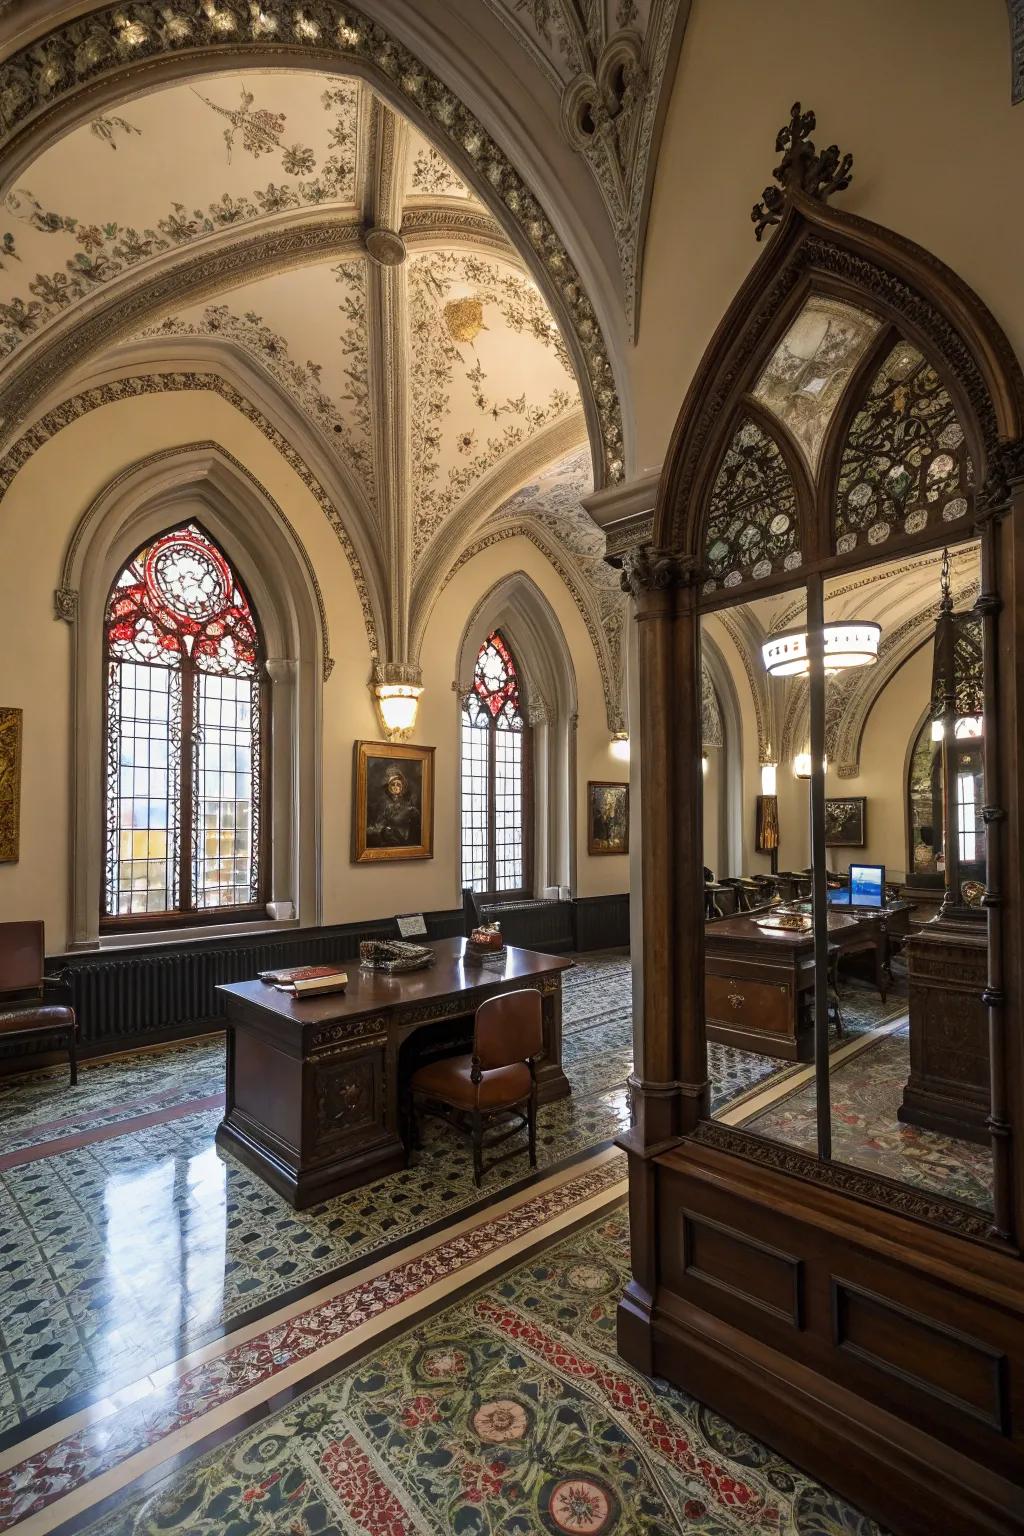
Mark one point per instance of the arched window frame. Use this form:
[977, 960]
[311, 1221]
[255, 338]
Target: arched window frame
[482, 713]
[187, 641]
[202, 482]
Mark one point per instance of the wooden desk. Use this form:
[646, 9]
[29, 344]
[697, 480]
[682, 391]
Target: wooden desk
[314, 1086]
[759, 982]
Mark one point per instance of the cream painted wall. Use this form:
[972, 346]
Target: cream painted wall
[918, 91]
[890, 728]
[36, 519]
[888, 732]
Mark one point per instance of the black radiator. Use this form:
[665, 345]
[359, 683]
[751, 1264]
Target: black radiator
[142, 996]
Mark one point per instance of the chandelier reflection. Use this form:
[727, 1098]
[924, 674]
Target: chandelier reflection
[853, 643]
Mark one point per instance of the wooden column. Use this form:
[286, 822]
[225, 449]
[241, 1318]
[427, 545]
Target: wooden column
[669, 1091]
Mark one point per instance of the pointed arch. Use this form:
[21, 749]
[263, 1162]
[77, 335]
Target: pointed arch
[818, 250]
[759, 515]
[201, 485]
[66, 73]
[517, 608]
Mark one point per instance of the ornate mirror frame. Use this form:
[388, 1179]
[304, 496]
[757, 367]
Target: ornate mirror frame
[726, 1288]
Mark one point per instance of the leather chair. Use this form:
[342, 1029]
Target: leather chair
[498, 1079]
[24, 1014]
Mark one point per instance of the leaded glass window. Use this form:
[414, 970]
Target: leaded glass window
[905, 466]
[753, 526]
[184, 735]
[495, 825]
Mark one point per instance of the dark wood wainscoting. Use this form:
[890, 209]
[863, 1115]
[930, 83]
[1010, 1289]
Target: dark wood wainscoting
[144, 996]
[895, 1350]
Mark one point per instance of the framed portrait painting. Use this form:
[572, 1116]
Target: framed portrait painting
[846, 822]
[607, 818]
[393, 813]
[10, 784]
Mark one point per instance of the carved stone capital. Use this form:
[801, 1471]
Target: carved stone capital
[65, 604]
[654, 570]
[405, 673]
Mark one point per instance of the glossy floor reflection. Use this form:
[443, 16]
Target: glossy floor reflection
[127, 1239]
[866, 1093]
[120, 1254]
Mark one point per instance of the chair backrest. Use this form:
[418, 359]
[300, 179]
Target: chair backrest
[508, 1029]
[21, 957]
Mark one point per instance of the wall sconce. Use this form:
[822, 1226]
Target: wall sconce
[769, 778]
[620, 746]
[397, 689]
[397, 704]
[703, 762]
[802, 765]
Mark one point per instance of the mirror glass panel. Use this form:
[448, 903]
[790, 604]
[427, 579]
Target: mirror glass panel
[909, 1083]
[759, 965]
[905, 1090]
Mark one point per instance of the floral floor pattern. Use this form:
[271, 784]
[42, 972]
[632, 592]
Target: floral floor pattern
[866, 1093]
[127, 1240]
[506, 1414]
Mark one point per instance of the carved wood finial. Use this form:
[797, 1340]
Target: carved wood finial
[815, 175]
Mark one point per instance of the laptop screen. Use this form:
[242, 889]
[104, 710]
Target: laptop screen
[867, 885]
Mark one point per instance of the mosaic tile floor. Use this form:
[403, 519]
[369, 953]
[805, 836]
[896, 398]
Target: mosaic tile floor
[865, 1094]
[139, 1241]
[507, 1413]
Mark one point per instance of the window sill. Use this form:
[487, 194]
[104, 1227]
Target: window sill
[155, 938]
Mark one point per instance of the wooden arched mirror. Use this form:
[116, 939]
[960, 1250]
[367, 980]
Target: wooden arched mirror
[826, 1188]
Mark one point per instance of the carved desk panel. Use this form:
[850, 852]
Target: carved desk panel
[313, 1100]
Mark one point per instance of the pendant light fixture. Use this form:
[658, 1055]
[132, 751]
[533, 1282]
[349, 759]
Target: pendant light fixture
[852, 643]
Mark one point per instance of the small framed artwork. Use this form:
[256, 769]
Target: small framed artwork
[846, 822]
[393, 810]
[10, 785]
[607, 818]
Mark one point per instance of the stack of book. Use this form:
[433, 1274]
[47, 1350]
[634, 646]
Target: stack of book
[307, 980]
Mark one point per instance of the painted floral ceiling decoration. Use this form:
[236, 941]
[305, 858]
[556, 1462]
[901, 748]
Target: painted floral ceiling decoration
[122, 189]
[297, 235]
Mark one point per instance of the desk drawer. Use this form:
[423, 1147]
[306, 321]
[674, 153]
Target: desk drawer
[747, 1004]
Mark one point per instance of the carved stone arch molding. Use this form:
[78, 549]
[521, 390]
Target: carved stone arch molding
[518, 607]
[112, 51]
[203, 482]
[716, 676]
[188, 465]
[132, 386]
[850, 700]
[611, 667]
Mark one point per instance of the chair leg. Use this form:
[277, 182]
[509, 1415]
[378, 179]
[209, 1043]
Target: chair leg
[73, 1059]
[478, 1148]
[531, 1121]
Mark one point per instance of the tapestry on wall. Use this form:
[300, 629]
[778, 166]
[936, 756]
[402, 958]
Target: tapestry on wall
[10, 784]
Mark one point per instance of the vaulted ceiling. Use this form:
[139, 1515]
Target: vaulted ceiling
[295, 229]
[902, 597]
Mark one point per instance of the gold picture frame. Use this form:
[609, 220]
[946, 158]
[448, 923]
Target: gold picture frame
[10, 785]
[393, 802]
[607, 818]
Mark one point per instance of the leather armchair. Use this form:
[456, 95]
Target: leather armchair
[25, 1011]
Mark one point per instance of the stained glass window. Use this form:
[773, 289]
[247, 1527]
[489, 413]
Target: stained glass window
[494, 812]
[183, 734]
[905, 466]
[753, 526]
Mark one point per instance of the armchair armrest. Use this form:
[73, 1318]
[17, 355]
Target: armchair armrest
[61, 982]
